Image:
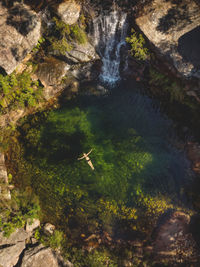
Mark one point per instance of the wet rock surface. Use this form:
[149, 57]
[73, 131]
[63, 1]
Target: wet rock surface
[167, 24]
[19, 33]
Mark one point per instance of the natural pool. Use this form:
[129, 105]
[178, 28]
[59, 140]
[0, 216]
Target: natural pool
[139, 173]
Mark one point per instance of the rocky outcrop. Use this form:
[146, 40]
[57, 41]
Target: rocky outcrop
[19, 33]
[50, 74]
[174, 242]
[193, 153]
[69, 12]
[49, 228]
[22, 249]
[43, 256]
[11, 247]
[82, 53]
[32, 224]
[4, 186]
[12, 117]
[170, 26]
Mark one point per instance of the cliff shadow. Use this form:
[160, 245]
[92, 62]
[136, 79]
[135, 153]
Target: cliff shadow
[189, 46]
[174, 16]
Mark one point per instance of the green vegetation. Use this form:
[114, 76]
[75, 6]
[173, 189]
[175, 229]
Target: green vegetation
[18, 90]
[63, 36]
[38, 46]
[14, 213]
[55, 241]
[160, 80]
[138, 49]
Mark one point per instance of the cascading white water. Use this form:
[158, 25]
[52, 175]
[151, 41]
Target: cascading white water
[109, 35]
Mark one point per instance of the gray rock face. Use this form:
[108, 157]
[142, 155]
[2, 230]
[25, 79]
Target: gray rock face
[166, 24]
[12, 247]
[69, 12]
[49, 229]
[19, 33]
[32, 224]
[50, 73]
[82, 53]
[41, 256]
[4, 188]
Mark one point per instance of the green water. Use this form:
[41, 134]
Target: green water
[138, 172]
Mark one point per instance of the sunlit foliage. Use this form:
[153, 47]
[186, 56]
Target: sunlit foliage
[138, 49]
[18, 90]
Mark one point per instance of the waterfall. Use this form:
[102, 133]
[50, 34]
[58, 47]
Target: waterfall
[109, 36]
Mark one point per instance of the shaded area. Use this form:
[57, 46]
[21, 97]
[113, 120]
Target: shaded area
[189, 47]
[22, 20]
[173, 18]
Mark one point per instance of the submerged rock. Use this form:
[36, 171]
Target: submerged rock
[69, 11]
[174, 242]
[167, 24]
[19, 33]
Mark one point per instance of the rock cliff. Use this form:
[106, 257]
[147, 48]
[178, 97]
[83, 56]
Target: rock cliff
[19, 32]
[173, 28]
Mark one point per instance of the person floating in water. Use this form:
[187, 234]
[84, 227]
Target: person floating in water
[85, 156]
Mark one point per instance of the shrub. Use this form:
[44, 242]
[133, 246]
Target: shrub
[18, 90]
[138, 49]
[163, 82]
[14, 214]
[63, 36]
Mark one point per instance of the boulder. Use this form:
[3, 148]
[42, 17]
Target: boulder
[11, 247]
[32, 225]
[50, 74]
[82, 53]
[19, 33]
[9, 255]
[20, 235]
[49, 229]
[69, 12]
[173, 27]
[174, 241]
[44, 257]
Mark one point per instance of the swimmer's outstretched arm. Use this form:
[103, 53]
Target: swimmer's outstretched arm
[89, 152]
[81, 158]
